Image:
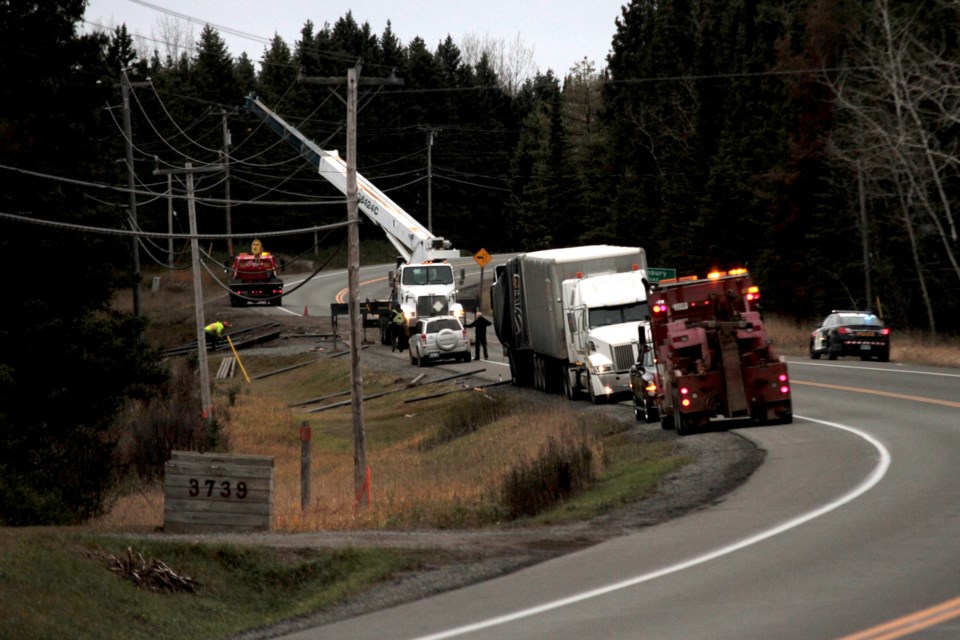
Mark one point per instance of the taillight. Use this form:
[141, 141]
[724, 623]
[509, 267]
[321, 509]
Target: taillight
[885, 331]
[784, 387]
[843, 330]
[423, 339]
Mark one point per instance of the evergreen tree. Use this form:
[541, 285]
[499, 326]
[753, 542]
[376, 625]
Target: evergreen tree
[67, 361]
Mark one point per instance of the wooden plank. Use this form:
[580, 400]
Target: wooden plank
[232, 458]
[234, 520]
[181, 486]
[174, 469]
[218, 506]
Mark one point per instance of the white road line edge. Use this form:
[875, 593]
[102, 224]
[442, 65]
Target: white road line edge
[877, 474]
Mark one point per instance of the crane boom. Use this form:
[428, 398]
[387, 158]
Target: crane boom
[411, 239]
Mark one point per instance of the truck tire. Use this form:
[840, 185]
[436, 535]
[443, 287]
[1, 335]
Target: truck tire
[680, 424]
[594, 399]
[568, 389]
[666, 422]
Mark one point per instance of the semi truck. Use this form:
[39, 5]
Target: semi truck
[567, 318]
[713, 356]
[253, 277]
[423, 282]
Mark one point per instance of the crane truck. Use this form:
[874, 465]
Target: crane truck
[567, 318]
[423, 283]
[713, 356]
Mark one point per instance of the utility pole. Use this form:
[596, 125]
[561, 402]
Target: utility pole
[170, 214]
[226, 170]
[353, 270]
[125, 86]
[863, 237]
[430, 133]
[206, 402]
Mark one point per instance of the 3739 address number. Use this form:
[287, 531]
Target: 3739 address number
[223, 489]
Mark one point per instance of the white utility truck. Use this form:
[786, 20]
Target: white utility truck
[423, 284]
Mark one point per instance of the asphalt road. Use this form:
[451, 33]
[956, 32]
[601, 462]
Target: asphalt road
[852, 522]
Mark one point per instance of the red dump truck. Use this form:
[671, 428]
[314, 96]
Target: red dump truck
[712, 354]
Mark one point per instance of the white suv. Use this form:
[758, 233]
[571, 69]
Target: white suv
[439, 338]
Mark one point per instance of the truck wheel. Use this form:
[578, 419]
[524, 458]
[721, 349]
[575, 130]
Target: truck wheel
[680, 423]
[595, 399]
[235, 301]
[666, 422]
[650, 412]
[568, 389]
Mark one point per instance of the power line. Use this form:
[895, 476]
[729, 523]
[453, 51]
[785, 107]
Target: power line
[175, 236]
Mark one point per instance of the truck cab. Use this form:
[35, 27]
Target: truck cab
[420, 290]
[602, 315]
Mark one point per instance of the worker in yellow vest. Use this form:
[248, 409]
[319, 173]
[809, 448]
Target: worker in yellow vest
[213, 332]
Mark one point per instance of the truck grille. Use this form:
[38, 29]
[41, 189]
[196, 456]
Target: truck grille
[623, 357]
[429, 306]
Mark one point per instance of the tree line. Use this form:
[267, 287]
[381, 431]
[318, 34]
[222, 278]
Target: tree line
[813, 141]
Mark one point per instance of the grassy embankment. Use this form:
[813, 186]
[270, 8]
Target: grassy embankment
[442, 463]
[437, 463]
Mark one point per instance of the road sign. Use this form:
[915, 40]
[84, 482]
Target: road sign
[482, 257]
[656, 274]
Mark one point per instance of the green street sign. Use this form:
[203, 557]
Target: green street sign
[656, 274]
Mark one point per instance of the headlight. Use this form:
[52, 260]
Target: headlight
[599, 363]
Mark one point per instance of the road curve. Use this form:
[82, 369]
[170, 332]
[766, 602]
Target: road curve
[853, 521]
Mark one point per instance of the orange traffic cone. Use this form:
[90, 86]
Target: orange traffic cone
[305, 312]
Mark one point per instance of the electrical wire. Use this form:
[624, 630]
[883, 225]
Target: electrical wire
[176, 236]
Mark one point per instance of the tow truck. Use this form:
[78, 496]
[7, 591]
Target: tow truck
[713, 355]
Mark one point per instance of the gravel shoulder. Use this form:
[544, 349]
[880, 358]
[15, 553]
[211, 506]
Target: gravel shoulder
[721, 461]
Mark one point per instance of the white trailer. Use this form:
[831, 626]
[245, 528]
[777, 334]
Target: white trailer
[568, 318]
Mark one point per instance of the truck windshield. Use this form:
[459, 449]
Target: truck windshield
[606, 316]
[428, 274]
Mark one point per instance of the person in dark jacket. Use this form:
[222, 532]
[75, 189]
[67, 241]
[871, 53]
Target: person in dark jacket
[479, 325]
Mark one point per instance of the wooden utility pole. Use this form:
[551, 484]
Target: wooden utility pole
[125, 86]
[206, 402]
[226, 171]
[431, 131]
[353, 271]
[864, 238]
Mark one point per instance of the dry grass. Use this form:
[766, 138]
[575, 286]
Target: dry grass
[792, 338]
[455, 484]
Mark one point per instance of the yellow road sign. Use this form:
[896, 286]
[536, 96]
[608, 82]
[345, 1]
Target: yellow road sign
[482, 257]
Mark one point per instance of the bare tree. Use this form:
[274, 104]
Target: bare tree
[512, 62]
[176, 38]
[896, 99]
